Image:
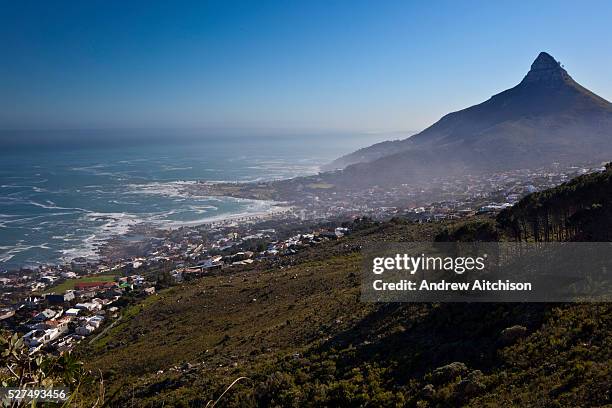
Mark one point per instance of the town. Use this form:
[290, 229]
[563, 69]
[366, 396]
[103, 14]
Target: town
[55, 307]
[442, 198]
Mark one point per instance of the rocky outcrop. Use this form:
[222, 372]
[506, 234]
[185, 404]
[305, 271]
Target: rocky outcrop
[511, 334]
[546, 71]
[449, 372]
[427, 392]
[472, 385]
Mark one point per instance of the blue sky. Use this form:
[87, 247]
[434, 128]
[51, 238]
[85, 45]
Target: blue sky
[331, 65]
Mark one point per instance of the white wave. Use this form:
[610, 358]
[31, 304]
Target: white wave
[52, 206]
[36, 189]
[39, 181]
[173, 189]
[98, 170]
[117, 222]
[171, 168]
[88, 168]
[133, 161]
[60, 237]
[123, 202]
[19, 248]
[101, 227]
[25, 220]
[229, 217]
[203, 209]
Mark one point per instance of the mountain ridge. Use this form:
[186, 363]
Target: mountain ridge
[544, 114]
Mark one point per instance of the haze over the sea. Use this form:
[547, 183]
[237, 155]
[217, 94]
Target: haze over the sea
[58, 202]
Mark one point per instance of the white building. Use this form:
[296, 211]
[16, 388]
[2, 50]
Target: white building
[72, 312]
[91, 306]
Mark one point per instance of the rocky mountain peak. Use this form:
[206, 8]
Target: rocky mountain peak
[546, 70]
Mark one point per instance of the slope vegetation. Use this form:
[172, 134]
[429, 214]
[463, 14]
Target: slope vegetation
[298, 331]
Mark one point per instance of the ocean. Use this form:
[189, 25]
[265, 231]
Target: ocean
[58, 203]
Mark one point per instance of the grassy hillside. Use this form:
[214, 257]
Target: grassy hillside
[298, 331]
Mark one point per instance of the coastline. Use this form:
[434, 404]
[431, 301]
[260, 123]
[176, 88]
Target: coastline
[93, 247]
[132, 244]
[65, 204]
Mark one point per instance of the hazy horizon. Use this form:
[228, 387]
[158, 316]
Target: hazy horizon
[15, 140]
